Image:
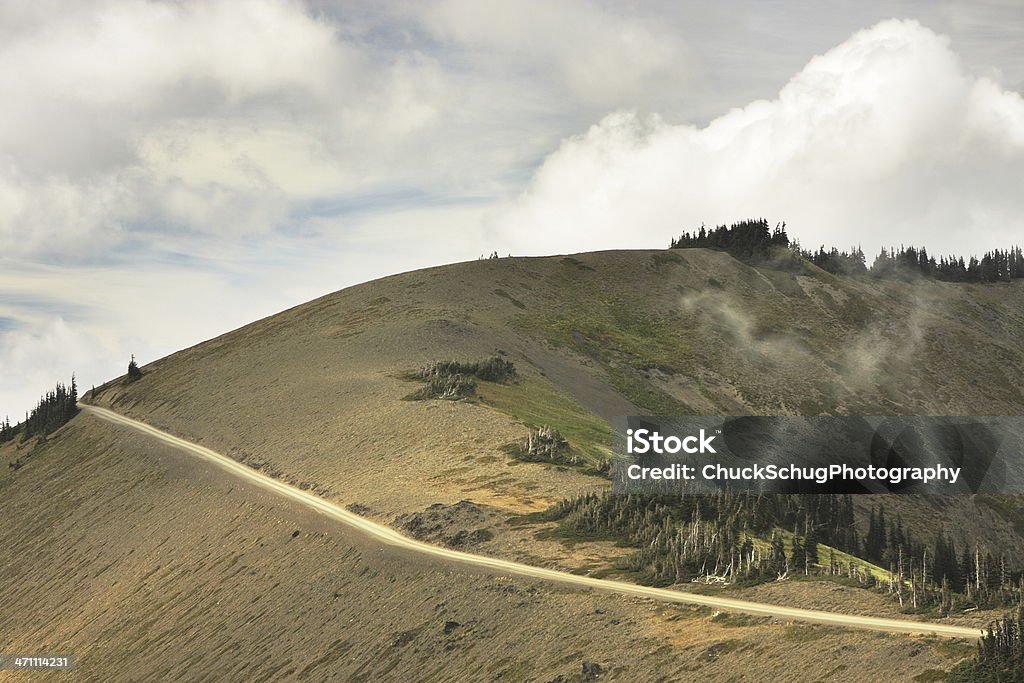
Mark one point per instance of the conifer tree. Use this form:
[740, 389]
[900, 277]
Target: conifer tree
[134, 373]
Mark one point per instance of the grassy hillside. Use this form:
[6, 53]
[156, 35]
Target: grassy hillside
[147, 564]
[314, 393]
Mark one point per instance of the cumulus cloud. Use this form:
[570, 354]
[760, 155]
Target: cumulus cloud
[169, 170]
[885, 138]
[123, 117]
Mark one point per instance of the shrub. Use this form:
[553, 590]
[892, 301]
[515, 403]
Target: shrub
[453, 380]
[494, 369]
[447, 387]
[546, 444]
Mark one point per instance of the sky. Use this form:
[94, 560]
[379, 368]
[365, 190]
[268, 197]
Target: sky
[170, 171]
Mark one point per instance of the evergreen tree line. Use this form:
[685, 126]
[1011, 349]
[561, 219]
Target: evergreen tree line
[53, 410]
[7, 432]
[747, 240]
[995, 266]
[1000, 654]
[727, 537]
[936, 573]
[753, 241]
[839, 262]
[711, 537]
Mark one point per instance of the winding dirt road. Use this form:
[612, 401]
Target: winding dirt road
[392, 537]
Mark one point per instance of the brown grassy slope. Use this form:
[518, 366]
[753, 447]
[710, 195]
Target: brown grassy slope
[313, 392]
[147, 564]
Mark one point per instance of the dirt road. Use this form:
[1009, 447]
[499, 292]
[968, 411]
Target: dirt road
[392, 537]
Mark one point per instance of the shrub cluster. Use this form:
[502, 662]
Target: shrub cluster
[452, 380]
[447, 387]
[546, 444]
[494, 369]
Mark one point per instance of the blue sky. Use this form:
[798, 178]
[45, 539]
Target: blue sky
[170, 171]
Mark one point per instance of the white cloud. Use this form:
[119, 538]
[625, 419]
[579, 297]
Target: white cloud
[128, 117]
[88, 319]
[600, 55]
[885, 138]
[170, 170]
[91, 329]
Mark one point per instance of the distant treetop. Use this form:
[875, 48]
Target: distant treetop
[52, 411]
[752, 241]
[748, 240]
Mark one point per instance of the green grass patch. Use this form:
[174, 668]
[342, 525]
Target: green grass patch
[626, 342]
[613, 330]
[536, 401]
[644, 394]
[824, 551]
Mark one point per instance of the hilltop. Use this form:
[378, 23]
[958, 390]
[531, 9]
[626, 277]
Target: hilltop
[315, 392]
[320, 396]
